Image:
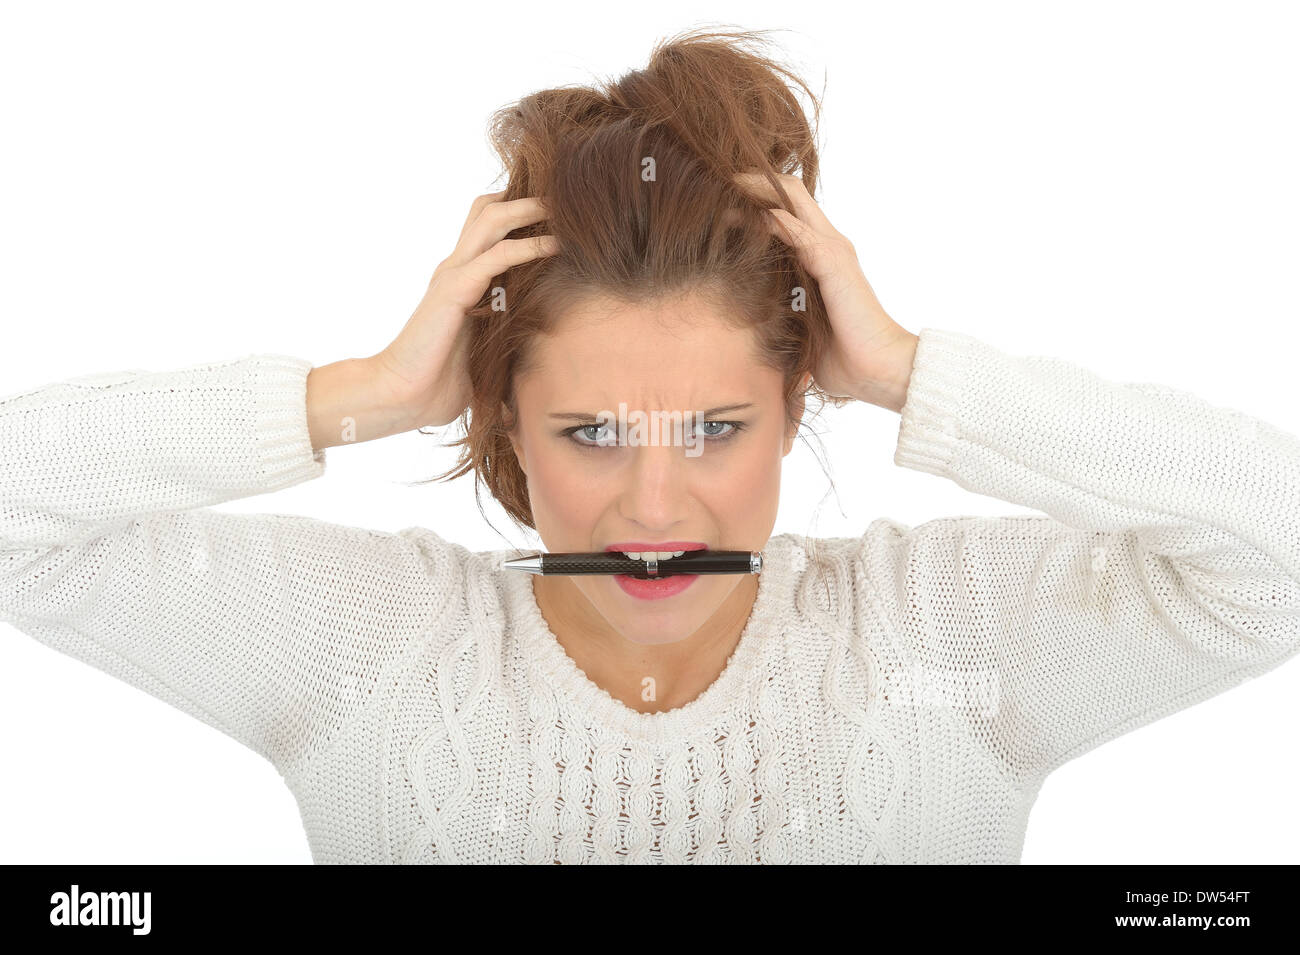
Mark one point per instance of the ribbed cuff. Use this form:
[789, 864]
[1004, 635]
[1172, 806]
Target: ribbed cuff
[284, 455]
[929, 428]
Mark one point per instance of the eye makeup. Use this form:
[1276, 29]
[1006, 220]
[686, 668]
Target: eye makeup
[736, 428]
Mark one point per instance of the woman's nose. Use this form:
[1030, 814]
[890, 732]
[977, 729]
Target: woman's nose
[656, 490]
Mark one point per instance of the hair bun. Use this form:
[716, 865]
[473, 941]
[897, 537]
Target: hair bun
[720, 95]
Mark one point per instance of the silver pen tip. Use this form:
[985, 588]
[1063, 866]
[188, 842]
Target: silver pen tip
[532, 565]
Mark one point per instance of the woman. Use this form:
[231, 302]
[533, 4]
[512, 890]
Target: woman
[894, 697]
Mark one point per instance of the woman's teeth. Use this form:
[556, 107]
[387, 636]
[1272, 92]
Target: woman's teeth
[656, 554]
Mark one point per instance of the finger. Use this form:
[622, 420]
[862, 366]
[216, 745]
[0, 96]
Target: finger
[462, 286]
[792, 230]
[494, 222]
[805, 207]
[476, 207]
[507, 253]
[824, 260]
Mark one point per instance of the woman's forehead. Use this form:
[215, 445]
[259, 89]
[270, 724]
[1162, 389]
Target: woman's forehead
[713, 367]
[646, 341]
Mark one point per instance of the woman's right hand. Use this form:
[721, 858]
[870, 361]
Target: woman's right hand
[425, 367]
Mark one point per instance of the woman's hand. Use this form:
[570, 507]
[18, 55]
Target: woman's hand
[871, 358]
[424, 369]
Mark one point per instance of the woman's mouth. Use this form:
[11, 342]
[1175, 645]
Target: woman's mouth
[650, 588]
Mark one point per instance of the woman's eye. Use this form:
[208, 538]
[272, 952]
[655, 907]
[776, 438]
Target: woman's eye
[716, 434]
[596, 435]
[599, 435]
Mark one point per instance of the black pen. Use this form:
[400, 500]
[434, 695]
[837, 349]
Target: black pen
[615, 562]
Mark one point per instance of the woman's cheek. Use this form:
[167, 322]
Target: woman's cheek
[752, 486]
[566, 493]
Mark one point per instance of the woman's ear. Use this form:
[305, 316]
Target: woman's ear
[796, 411]
[512, 431]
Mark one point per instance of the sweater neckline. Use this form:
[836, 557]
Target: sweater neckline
[733, 685]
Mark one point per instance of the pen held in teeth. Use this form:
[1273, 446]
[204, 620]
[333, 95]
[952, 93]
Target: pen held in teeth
[644, 565]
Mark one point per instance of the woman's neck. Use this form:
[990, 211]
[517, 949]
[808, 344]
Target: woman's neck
[681, 670]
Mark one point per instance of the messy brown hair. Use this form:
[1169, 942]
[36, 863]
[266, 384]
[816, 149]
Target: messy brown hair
[709, 105]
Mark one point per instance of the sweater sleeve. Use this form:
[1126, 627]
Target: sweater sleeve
[274, 629]
[1166, 569]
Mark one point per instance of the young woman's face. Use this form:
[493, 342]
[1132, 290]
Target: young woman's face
[718, 486]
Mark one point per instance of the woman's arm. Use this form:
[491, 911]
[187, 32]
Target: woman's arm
[272, 628]
[352, 400]
[1167, 571]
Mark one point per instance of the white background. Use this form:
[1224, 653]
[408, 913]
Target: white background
[1112, 183]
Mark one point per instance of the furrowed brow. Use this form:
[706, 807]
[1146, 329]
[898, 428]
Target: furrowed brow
[586, 418]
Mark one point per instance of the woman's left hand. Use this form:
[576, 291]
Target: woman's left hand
[871, 358]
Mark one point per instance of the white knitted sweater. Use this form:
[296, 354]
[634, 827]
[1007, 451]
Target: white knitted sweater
[904, 705]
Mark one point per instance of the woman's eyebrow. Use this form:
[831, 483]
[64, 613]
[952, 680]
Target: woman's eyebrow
[591, 419]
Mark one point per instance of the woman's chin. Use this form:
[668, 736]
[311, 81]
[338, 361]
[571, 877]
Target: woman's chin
[651, 622]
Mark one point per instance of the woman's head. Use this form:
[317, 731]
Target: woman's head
[669, 293]
[713, 482]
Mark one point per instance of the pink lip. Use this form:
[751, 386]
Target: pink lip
[638, 547]
[655, 589]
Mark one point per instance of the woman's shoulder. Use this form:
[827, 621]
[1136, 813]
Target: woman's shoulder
[892, 560]
[434, 546]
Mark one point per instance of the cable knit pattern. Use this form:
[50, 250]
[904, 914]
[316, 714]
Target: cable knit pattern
[897, 696]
